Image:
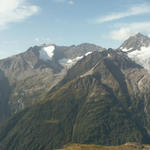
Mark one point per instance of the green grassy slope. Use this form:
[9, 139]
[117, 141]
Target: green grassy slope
[93, 108]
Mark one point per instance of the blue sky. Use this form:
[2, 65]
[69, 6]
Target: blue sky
[25, 23]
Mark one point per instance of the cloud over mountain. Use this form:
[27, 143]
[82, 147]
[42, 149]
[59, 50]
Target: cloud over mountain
[125, 30]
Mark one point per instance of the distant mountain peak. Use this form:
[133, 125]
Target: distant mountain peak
[137, 47]
[135, 42]
[140, 35]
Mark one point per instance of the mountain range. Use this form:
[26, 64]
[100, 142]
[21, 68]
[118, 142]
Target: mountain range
[137, 48]
[81, 94]
[29, 76]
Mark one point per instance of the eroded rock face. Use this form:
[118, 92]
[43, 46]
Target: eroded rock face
[135, 42]
[33, 73]
[138, 49]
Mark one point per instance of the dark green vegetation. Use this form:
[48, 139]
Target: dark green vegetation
[4, 97]
[96, 103]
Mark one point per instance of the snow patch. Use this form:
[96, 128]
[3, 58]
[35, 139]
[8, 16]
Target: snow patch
[71, 62]
[125, 49]
[78, 58]
[65, 61]
[142, 57]
[108, 55]
[47, 52]
[88, 53]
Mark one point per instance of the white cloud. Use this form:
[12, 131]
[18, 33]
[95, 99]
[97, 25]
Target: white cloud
[36, 39]
[128, 29]
[71, 2]
[134, 10]
[121, 34]
[59, 1]
[15, 11]
[43, 40]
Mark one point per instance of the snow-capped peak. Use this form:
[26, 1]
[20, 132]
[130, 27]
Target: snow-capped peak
[47, 52]
[138, 49]
[135, 43]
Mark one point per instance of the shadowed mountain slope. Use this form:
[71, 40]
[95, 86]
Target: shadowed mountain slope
[100, 101]
[30, 75]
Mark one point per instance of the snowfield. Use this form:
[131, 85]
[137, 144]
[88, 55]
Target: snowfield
[47, 52]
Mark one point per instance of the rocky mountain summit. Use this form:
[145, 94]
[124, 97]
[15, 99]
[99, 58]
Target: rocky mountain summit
[138, 49]
[135, 42]
[30, 75]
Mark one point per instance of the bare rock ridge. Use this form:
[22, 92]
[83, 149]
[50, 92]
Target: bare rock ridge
[138, 49]
[135, 42]
[33, 73]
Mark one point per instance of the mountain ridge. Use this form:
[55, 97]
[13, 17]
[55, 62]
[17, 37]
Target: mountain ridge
[30, 76]
[138, 49]
[85, 108]
[102, 99]
[135, 42]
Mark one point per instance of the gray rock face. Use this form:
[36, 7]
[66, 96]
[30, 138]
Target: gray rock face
[138, 49]
[29, 77]
[136, 42]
